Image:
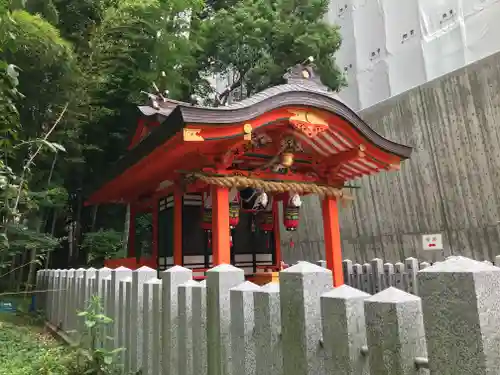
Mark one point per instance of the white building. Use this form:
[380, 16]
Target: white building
[390, 46]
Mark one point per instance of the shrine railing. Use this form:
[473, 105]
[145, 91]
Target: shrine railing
[299, 325]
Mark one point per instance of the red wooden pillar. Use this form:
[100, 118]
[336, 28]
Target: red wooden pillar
[131, 231]
[221, 249]
[276, 230]
[333, 249]
[155, 212]
[178, 258]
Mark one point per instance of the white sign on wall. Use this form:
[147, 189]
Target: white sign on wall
[432, 241]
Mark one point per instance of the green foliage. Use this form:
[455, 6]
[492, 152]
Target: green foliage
[94, 359]
[91, 59]
[27, 38]
[26, 350]
[144, 235]
[257, 41]
[54, 197]
[21, 238]
[101, 245]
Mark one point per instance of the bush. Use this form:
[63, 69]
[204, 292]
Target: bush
[101, 245]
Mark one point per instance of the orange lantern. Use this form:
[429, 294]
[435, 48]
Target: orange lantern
[291, 211]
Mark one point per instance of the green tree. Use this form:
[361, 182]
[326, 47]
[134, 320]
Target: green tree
[255, 41]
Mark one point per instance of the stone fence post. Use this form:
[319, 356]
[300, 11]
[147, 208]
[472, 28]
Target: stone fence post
[344, 331]
[135, 333]
[220, 280]
[461, 305]
[172, 279]
[100, 274]
[300, 289]
[151, 347]
[123, 321]
[199, 294]
[113, 306]
[268, 344]
[62, 287]
[242, 327]
[68, 308]
[185, 352]
[395, 332]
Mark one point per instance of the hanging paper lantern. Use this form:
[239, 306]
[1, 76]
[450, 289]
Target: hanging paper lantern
[206, 222]
[266, 219]
[234, 208]
[291, 211]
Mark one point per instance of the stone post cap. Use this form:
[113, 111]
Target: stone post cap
[392, 296]
[120, 269]
[461, 265]
[221, 268]
[144, 269]
[176, 269]
[345, 292]
[304, 268]
[246, 286]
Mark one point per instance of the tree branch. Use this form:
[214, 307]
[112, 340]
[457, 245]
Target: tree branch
[225, 94]
[28, 163]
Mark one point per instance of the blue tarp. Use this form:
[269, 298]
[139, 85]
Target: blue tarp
[7, 307]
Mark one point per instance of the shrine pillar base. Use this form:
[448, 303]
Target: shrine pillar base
[221, 248]
[333, 245]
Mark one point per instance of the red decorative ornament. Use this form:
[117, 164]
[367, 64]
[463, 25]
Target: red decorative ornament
[265, 218]
[206, 222]
[234, 208]
[291, 212]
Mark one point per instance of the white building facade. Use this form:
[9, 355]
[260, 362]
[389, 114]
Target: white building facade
[390, 46]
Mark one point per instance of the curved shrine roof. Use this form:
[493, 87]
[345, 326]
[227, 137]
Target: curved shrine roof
[303, 89]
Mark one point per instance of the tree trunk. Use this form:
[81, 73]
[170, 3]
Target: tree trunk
[20, 271]
[52, 230]
[12, 272]
[126, 229]
[34, 252]
[94, 217]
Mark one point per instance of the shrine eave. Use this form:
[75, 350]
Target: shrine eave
[260, 104]
[175, 116]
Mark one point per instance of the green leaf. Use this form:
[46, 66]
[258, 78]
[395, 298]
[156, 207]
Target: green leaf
[108, 360]
[90, 323]
[58, 146]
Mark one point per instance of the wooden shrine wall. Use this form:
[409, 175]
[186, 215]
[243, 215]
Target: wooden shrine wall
[249, 248]
[451, 185]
